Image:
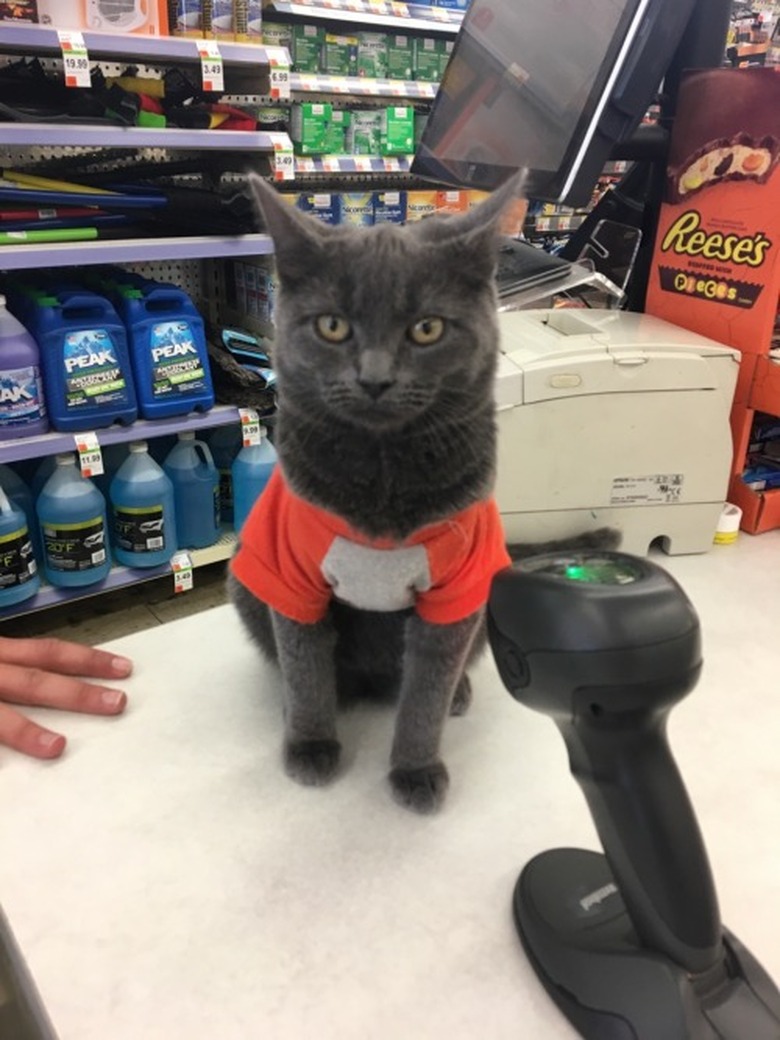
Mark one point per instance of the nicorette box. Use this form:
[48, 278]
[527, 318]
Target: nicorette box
[455, 201]
[339, 55]
[400, 56]
[276, 34]
[372, 55]
[357, 208]
[336, 132]
[364, 133]
[306, 47]
[420, 204]
[397, 134]
[429, 58]
[389, 207]
[326, 206]
[716, 265]
[308, 127]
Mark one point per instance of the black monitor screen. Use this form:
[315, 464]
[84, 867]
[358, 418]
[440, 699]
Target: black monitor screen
[531, 83]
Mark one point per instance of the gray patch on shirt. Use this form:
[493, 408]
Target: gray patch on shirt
[376, 579]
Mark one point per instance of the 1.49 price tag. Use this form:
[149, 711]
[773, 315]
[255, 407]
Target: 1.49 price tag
[75, 59]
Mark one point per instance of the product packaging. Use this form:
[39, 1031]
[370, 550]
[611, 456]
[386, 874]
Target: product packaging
[308, 127]
[339, 55]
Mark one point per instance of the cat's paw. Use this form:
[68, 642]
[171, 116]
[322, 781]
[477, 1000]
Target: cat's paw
[423, 789]
[461, 701]
[313, 763]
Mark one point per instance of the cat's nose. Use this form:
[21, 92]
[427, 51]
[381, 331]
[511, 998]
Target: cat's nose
[375, 387]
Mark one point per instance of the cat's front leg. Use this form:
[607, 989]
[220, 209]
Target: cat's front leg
[306, 659]
[435, 657]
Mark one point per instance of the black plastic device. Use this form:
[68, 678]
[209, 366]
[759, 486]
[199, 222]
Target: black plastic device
[629, 944]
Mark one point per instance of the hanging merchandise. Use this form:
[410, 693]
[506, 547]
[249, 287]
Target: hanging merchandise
[72, 519]
[18, 569]
[22, 408]
[195, 480]
[225, 443]
[251, 472]
[143, 512]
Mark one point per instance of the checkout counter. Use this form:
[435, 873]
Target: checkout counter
[164, 880]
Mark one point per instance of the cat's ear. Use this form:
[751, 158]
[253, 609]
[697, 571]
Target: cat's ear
[297, 237]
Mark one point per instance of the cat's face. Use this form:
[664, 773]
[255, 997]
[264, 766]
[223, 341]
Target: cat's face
[383, 326]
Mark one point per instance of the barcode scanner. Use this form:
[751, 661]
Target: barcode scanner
[629, 944]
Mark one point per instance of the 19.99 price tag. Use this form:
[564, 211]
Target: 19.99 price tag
[75, 59]
[250, 426]
[211, 67]
[181, 565]
[90, 455]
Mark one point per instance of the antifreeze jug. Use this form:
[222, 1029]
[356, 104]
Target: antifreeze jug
[225, 443]
[18, 568]
[196, 491]
[143, 512]
[22, 406]
[87, 377]
[22, 497]
[167, 346]
[73, 525]
[251, 472]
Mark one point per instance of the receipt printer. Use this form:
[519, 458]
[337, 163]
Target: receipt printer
[607, 418]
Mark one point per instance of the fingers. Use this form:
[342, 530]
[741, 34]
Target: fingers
[23, 685]
[58, 655]
[24, 735]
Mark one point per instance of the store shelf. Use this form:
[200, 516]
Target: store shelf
[352, 164]
[319, 83]
[142, 429]
[132, 250]
[17, 36]
[118, 577]
[51, 135]
[399, 16]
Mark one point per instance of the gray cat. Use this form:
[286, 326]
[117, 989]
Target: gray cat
[368, 567]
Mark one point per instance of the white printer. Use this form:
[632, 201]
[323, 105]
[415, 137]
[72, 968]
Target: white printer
[607, 418]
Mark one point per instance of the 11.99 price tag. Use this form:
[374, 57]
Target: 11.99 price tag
[75, 59]
[90, 455]
[211, 66]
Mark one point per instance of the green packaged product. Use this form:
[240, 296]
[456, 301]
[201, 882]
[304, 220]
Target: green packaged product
[339, 55]
[397, 130]
[308, 127]
[372, 55]
[336, 132]
[400, 57]
[364, 134]
[275, 34]
[306, 46]
[428, 53]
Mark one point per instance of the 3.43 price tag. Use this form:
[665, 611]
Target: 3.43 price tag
[75, 59]
[284, 160]
[211, 66]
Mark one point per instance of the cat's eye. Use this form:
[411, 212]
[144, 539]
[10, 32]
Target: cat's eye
[333, 328]
[426, 331]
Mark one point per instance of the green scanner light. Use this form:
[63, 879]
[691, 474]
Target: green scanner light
[587, 568]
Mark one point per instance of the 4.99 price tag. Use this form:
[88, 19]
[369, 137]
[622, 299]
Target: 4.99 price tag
[75, 59]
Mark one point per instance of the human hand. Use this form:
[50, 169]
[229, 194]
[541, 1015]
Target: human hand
[51, 673]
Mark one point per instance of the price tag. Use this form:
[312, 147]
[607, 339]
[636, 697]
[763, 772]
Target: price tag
[331, 163]
[90, 455]
[181, 565]
[305, 164]
[280, 82]
[363, 163]
[250, 426]
[211, 66]
[75, 59]
[284, 160]
[399, 10]
[377, 7]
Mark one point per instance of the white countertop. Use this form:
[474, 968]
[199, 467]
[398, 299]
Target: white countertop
[165, 880]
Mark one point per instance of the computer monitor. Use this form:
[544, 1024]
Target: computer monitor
[550, 85]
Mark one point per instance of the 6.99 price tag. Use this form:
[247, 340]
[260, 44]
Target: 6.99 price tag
[75, 59]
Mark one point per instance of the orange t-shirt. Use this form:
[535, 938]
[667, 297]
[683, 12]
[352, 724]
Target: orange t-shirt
[296, 558]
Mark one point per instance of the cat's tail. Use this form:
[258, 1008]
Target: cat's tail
[603, 539]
